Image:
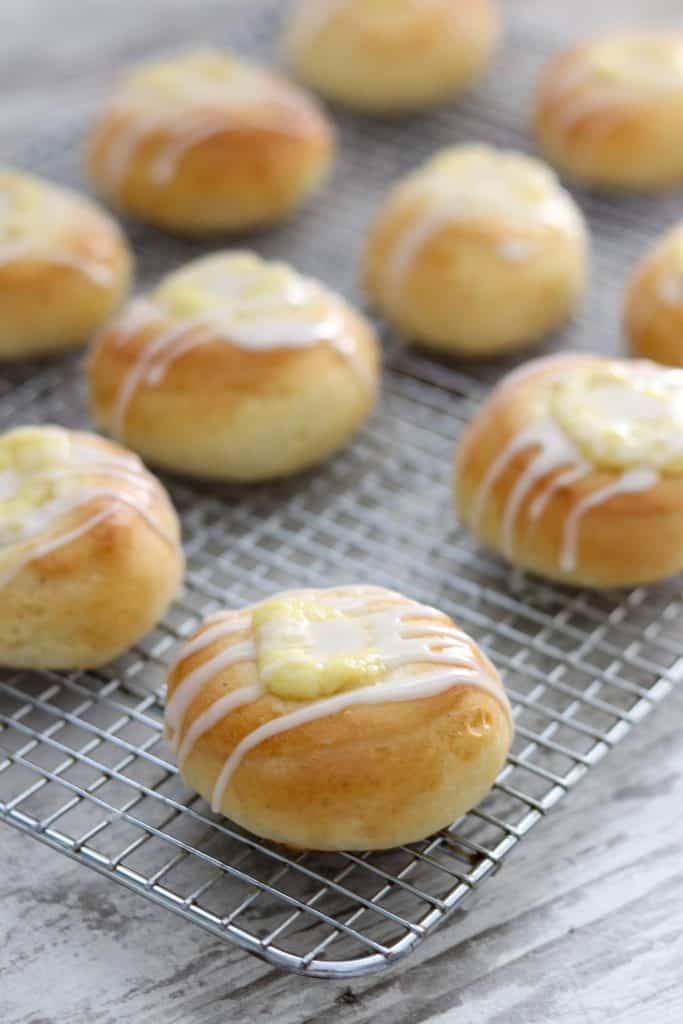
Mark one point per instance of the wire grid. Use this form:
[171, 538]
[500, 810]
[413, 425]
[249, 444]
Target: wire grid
[83, 764]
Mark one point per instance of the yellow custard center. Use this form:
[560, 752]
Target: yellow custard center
[196, 77]
[673, 251]
[641, 61]
[30, 462]
[263, 304]
[483, 181]
[212, 283]
[21, 207]
[623, 418]
[390, 13]
[305, 650]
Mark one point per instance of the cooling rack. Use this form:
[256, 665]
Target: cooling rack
[83, 764]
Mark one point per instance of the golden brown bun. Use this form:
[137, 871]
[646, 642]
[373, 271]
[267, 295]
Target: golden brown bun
[391, 56]
[623, 540]
[653, 315]
[610, 112]
[231, 412]
[490, 271]
[81, 602]
[65, 267]
[193, 150]
[370, 776]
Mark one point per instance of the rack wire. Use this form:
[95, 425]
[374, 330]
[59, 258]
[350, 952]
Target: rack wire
[83, 764]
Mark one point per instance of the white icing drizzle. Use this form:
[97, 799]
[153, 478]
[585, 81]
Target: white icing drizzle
[632, 481]
[566, 479]
[313, 16]
[381, 693]
[137, 315]
[401, 638]
[581, 92]
[40, 550]
[670, 289]
[163, 168]
[84, 461]
[99, 273]
[32, 244]
[253, 100]
[195, 681]
[246, 323]
[555, 449]
[558, 461]
[454, 201]
[517, 250]
[214, 714]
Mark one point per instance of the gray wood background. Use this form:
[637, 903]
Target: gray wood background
[583, 924]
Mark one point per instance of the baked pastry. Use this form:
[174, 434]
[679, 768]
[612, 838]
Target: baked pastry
[391, 56]
[89, 549]
[236, 369]
[343, 719]
[206, 143]
[573, 469]
[610, 111]
[477, 252]
[653, 315]
[64, 267]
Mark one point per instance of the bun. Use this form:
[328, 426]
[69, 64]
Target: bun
[89, 549]
[610, 112]
[479, 251]
[205, 143]
[391, 56]
[341, 719]
[573, 469]
[654, 302]
[236, 369]
[64, 267]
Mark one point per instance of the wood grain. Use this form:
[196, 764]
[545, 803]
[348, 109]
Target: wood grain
[582, 924]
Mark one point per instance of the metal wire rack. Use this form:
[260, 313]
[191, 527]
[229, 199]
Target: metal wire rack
[83, 765]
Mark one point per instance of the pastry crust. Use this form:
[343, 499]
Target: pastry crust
[204, 144]
[610, 111]
[478, 252]
[101, 568]
[65, 267]
[391, 56]
[551, 507]
[367, 776]
[228, 408]
[653, 314]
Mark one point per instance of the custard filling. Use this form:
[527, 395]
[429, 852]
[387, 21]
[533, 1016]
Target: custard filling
[21, 206]
[644, 62]
[197, 78]
[241, 291]
[305, 650]
[481, 181]
[32, 460]
[624, 417]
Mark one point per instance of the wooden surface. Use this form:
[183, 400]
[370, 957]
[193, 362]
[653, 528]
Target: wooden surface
[583, 923]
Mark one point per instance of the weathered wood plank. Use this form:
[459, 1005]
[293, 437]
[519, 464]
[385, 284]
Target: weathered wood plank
[583, 922]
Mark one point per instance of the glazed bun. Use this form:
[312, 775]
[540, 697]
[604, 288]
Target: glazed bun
[653, 314]
[342, 719]
[205, 143]
[610, 112]
[479, 251]
[573, 469]
[391, 56]
[89, 549]
[236, 369]
[64, 267]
